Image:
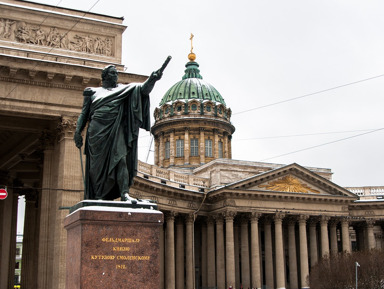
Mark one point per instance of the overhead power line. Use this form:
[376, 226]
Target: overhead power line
[323, 144]
[301, 135]
[309, 94]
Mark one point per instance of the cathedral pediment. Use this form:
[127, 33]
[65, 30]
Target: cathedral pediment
[292, 179]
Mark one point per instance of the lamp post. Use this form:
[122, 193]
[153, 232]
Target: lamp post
[356, 265]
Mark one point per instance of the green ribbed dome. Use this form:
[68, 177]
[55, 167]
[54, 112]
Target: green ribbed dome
[192, 86]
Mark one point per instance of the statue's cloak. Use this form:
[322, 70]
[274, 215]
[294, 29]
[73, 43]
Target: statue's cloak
[115, 117]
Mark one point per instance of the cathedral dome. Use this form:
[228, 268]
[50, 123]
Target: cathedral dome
[192, 123]
[192, 86]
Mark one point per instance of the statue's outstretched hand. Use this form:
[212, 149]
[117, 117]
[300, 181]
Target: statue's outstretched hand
[78, 139]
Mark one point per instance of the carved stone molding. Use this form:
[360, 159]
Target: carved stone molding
[52, 37]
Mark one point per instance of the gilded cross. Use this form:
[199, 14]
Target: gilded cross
[191, 38]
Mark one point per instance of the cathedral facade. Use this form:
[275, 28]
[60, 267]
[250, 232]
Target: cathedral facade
[227, 222]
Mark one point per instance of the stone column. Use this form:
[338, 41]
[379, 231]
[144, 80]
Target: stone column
[186, 146]
[313, 242]
[269, 280]
[8, 223]
[345, 235]
[255, 251]
[204, 254]
[215, 143]
[225, 144]
[333, 236]
[172, 150]
[202, 146]
[236, 237]
[279, 251]
[230, 249]
[304, 270]
[324, 236]
[370, 234]
[69, 191]
[189, 266]
[211, 262]
[220, 262]
[46, 207]
[161, 150]
[180, 253]
[230, 146]
[245, 270]
[5, 230]
[292, 254]
[156, 150]
[30, 242]
[170, 252]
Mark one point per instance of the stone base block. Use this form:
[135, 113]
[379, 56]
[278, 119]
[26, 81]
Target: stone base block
[113, 248]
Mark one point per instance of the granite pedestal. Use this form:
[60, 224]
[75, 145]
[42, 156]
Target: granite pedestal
[113, 247]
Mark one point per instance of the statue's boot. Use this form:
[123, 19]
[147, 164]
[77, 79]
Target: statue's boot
[126, 198]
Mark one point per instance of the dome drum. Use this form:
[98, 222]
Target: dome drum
[193, 107]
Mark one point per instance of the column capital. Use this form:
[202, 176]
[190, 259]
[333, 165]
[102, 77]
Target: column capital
[303, 219]
[218, 218]
[190, 218]
[370, 222]
[255, 216]
[66, 126]
[278, 217]
[313, 221]
[333, 222]
[291, 220]
[170, 215]
[210, 220]
[345, 220]
[229, 215]
[324, 220]
[47, 139]
[244, 219]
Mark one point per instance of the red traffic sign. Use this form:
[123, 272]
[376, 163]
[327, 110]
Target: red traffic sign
[3, 194]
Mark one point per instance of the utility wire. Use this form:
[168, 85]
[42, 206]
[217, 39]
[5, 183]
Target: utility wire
[301, 135]
[327, 143]
[309, 94]
[64, 35]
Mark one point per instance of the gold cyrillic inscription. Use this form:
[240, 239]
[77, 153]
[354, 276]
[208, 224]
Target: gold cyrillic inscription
[102, 257]
[121, 248]
[120, 240]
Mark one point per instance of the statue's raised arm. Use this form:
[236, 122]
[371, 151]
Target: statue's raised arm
[155, 76]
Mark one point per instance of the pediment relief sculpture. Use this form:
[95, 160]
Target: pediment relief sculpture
[53, 37]
[289, 184]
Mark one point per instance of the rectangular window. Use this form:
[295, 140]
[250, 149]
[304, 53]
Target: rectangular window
[167, 150]
[194, 147]
[179, 148]
[208, 148]
[220, 149]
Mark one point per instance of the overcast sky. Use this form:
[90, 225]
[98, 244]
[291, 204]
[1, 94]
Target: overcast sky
[258, 53]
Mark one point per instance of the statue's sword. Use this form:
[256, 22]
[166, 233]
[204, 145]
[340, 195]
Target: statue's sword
[82, 168]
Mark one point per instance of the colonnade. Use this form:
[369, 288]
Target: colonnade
[251, 250]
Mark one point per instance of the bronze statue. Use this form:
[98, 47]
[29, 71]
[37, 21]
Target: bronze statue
[115, 113]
